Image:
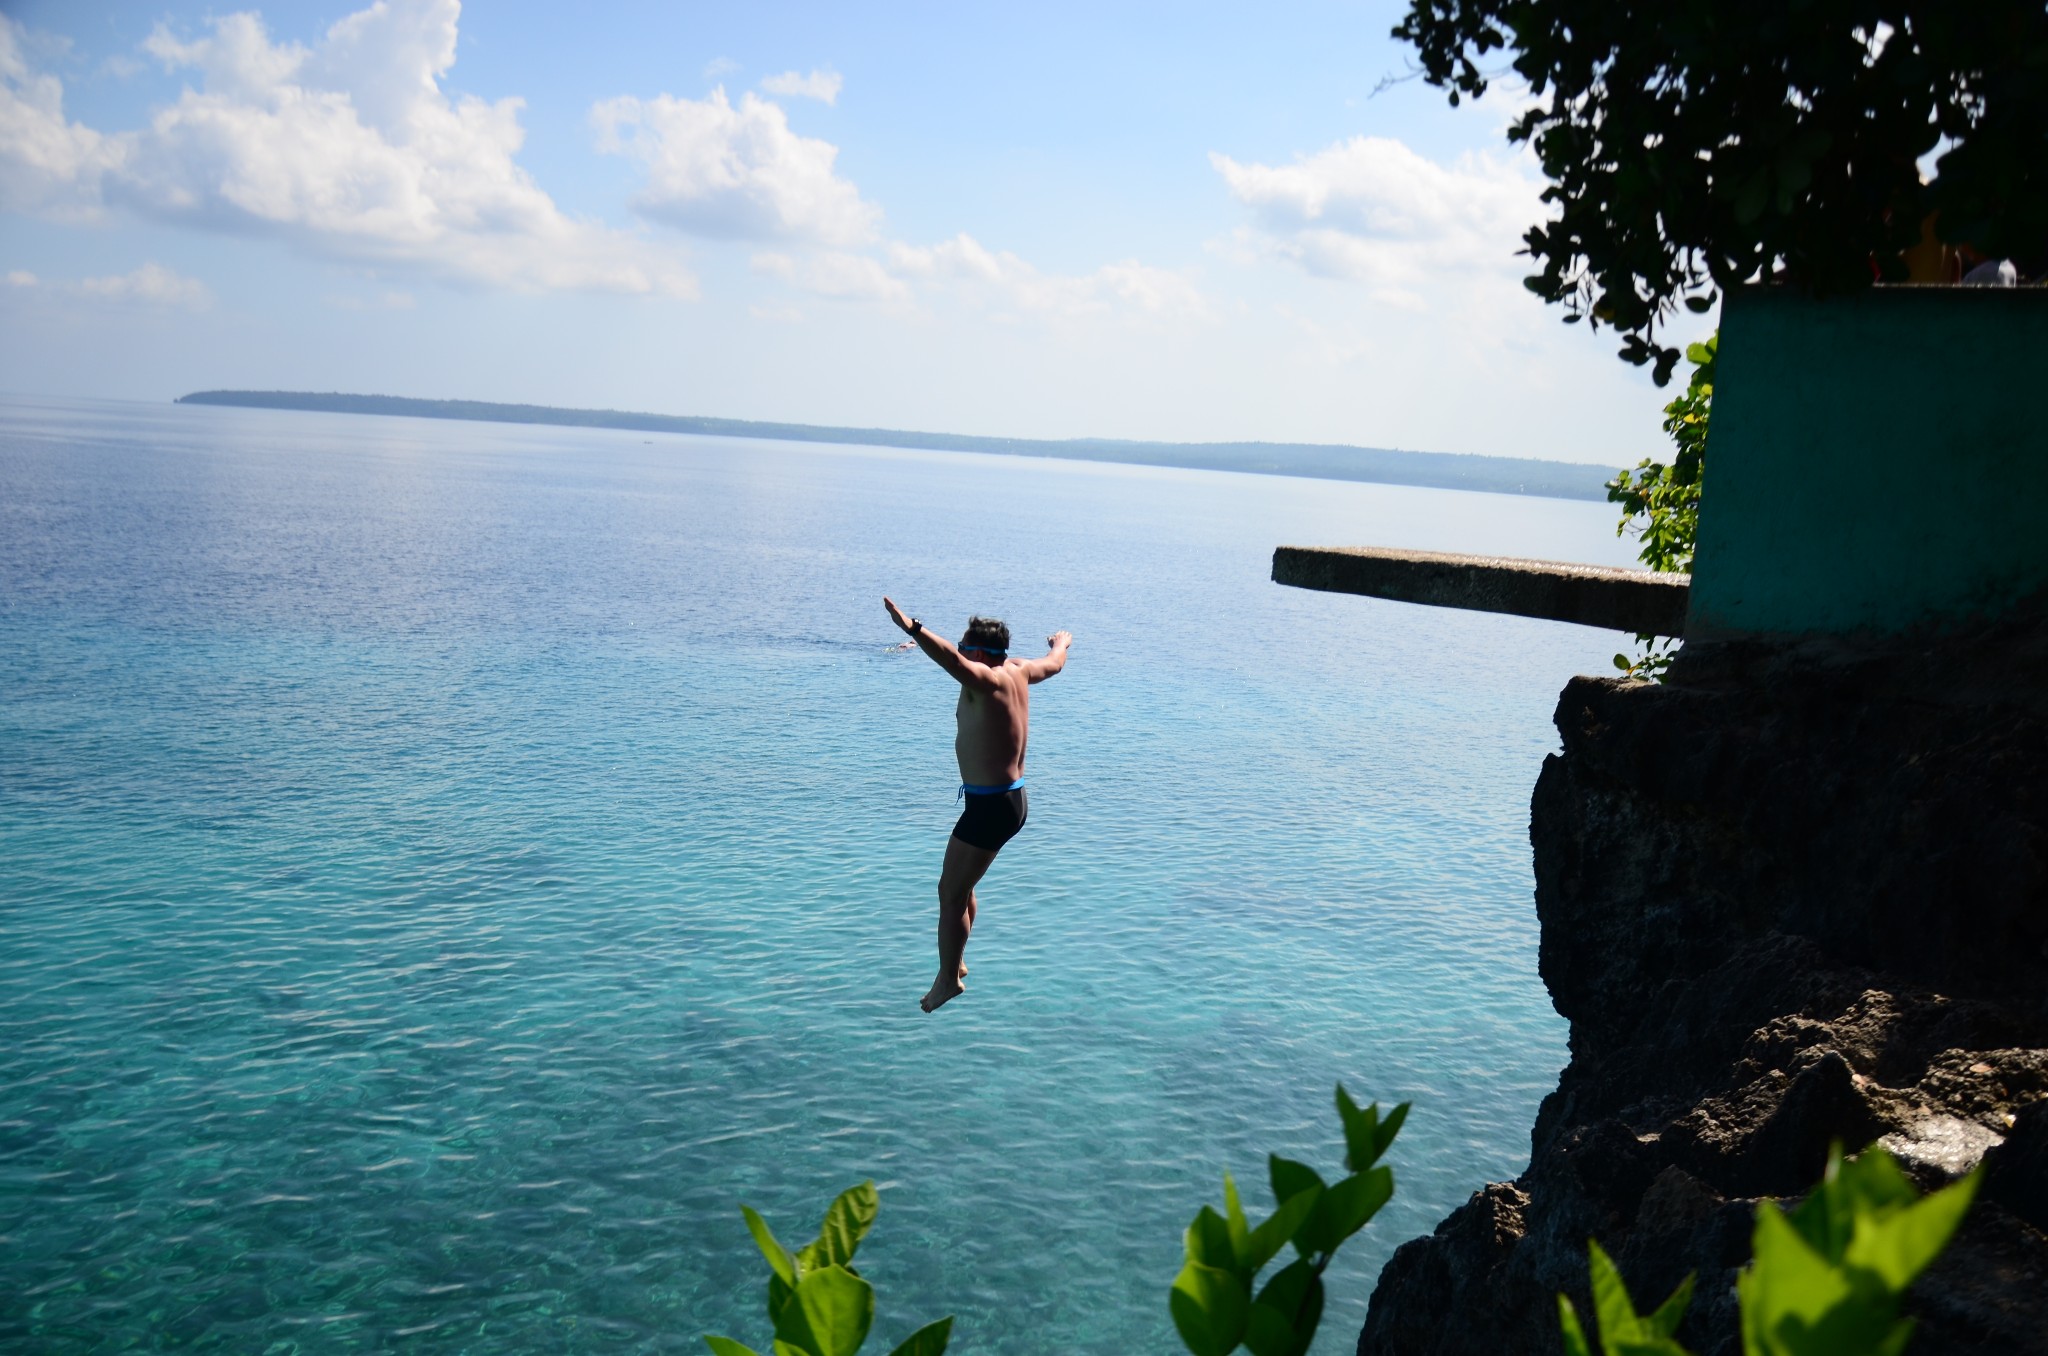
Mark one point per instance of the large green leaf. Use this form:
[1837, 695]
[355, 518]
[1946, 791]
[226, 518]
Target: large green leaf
[1290, 1178]
[1664, 1322]
[1574, 1334]
[1897, 1246]
[1283, 1319]
[1208, 1305]
[1347, 1207]
[1389, 1128]
[930, 1340]
[1361, 1131]
[1240, 1232]
[1612, 1305]
[832, 1314]
[725, 1346]
[1787, 1289]
[847, 1221]
[1285, 1223]
[778, 1256]
[1208, 1241]
[780, 1294]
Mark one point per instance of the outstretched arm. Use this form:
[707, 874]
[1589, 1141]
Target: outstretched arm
[943, 652]
[1038, 670]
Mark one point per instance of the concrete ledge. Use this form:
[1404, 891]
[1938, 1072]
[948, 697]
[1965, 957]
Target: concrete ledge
[1606, 596]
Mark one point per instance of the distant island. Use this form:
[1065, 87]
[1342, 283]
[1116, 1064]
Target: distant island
[1325, 461]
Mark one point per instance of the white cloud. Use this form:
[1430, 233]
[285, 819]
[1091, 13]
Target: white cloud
[853, 277]
[152, 284]
[48, 164]
[734, 171]
[823, 86]
[348, 149]
[1372, 210]
[1003, 279]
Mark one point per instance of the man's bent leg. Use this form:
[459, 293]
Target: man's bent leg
[964, 868]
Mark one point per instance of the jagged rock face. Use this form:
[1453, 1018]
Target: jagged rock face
[1795, 894]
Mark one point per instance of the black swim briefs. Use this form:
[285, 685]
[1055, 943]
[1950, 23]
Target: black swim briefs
[992, 818]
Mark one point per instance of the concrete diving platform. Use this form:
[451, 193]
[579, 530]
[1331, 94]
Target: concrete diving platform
[1610, 597]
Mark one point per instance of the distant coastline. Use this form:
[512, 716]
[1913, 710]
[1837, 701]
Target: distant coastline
[1325, 461]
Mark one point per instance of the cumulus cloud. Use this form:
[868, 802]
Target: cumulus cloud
[832, 273]
[349, 149]
[1002, 278]
[48, 163]
[1372, 210]
[734, 171]
[820, 85]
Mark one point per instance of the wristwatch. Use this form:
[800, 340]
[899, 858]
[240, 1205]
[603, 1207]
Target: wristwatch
[915, 626]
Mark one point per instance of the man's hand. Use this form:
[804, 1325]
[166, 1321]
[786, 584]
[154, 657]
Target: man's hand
[896, 614]
[1059, 640]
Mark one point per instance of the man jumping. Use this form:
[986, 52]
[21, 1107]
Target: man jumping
[993, 719]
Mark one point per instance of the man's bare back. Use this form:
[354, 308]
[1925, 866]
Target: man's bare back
[992, 726]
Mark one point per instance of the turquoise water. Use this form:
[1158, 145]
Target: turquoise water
[446, 868]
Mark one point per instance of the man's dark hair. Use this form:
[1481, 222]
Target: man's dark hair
[986, 632]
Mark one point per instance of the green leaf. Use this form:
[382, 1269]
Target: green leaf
[832, 1314]
[1290, 1178]
[1347, 1207]
[1873, 1181]
[1787, 1289]
[1664, 1322]
[1208, 1241]
[1389, 1128]
[725, 1346]
[1574, 1335]
[764, 1238]
[1285, 1223]
[1898, 1246]
[1240, 1232]
[1209, 1307]
[1283, 1319]
[1612, 1306]
[847, 1221]
[780, 1293]
[930, 1340]
[1361, 1129]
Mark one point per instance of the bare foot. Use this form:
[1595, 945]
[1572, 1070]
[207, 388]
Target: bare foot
[941, 995]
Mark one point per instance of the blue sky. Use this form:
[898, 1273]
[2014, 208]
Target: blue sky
[1142, 221]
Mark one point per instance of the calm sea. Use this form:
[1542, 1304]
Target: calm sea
[446, 868]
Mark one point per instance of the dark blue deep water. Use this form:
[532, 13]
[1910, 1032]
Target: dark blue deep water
[446, 868]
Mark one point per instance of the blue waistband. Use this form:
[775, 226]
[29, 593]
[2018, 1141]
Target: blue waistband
[967, 790]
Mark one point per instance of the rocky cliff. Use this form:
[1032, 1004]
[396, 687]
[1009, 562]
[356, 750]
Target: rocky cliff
[1795, 894]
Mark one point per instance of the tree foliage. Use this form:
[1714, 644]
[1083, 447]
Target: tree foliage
[1692, 145]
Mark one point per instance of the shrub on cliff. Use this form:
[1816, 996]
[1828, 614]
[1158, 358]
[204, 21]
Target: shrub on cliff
[1660, 503]
[1826, 1280]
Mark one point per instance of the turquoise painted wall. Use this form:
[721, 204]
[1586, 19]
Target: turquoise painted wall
[1875, 461]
